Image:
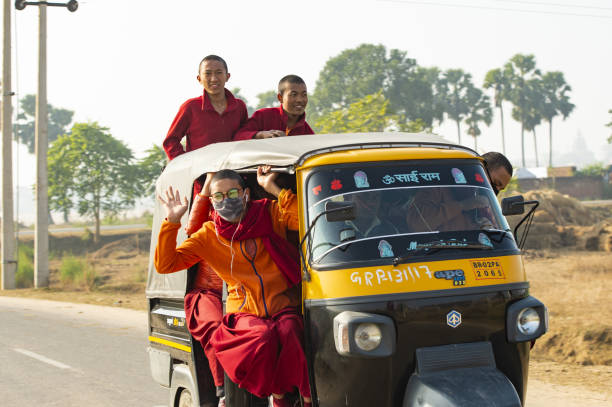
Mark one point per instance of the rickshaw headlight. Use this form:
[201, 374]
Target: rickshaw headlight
[368, 336]
[364, 335]
[528, 321]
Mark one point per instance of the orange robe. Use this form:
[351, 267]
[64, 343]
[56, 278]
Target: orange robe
[256, 287]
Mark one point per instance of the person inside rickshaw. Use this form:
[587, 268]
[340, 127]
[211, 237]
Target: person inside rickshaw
[445, 209]
[368, 220]
[259, 342]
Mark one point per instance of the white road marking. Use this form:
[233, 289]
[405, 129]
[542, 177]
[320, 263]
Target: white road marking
[42, 358]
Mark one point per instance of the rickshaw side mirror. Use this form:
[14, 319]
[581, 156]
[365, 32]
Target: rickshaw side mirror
[339, 211]
[514, 205]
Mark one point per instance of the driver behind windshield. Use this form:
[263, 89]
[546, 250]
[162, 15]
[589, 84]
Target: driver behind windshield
[368, 221]
[445, 209]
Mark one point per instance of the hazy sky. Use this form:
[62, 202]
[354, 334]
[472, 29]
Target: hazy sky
[130, 64]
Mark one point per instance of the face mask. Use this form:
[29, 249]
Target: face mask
[229, 209]
[495, 189]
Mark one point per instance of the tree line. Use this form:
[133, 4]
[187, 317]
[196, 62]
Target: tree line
[364, 89]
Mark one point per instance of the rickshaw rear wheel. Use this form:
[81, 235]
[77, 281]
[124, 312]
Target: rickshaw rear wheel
[185, 399]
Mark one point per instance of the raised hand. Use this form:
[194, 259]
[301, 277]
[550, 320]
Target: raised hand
[175, 209]
[267, 179]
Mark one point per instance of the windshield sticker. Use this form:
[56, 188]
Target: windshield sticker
[385, 249]
[458, 276]
[488, 269]
[369, 278]
[484, 240]
[479, 178]
[316, 190]
[438, 243]
[411, 177]
[361, 179]
[458, 176]
[336, 184]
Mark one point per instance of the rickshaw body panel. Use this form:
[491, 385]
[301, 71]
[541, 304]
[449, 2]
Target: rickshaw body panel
[412, 277]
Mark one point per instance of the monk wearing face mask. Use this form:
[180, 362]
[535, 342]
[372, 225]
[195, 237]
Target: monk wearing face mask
[259, 342]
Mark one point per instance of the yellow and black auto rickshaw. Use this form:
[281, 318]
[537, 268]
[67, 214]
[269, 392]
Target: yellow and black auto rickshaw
[414, 290]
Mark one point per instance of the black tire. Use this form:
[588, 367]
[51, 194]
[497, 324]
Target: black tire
[185, 399]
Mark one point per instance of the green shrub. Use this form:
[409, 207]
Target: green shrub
[76, 271]
[24, 277]
[89, 278]
[71, 269]
[87, 236]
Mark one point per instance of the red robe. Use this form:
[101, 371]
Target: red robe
[199, 122]
[272, 118]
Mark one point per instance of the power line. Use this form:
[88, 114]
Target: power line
[539, 3]
[516, 10]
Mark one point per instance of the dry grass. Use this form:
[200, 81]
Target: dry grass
[575, 286]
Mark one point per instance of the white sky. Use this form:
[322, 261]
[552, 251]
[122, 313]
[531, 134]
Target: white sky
[129, 64]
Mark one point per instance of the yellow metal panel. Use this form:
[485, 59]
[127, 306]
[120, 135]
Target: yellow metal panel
[413, 277]
[384, 154]
[170, 343]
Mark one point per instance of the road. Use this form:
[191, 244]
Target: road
[29, 232]
[62, 354]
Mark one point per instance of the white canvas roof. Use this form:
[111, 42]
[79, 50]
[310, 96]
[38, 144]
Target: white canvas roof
[286, 152]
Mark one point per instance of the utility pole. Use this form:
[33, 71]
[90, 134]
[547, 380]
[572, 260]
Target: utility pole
[9, 262]
[41, 231]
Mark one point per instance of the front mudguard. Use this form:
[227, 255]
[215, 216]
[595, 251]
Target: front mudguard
[461, 375]
[468, 387]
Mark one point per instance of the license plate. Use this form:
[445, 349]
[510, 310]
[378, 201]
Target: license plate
[489, 269]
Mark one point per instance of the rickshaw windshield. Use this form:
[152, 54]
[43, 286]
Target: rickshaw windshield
[401, 208]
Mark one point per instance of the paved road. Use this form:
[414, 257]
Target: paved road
[82, 229]
[61, 354]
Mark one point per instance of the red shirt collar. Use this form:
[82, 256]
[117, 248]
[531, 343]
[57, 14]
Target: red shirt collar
[231, 101]
[285, 118]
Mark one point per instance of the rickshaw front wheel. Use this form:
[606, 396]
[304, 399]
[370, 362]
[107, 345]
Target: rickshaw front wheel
[185, 400]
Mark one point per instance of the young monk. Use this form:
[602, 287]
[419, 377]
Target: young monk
[289, 119]
[213, 117]
[259, 342]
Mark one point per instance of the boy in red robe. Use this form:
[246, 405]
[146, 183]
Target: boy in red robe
[211, 118]
[259, 342]
[289, 119]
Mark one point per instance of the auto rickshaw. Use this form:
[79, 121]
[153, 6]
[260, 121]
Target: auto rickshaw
[414, 289]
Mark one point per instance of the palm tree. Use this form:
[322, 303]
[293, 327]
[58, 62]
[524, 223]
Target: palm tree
[479, 110]
[555, 102]
[498, 80]
[456, 82]
[609, 125]
[533, 110]
[520, 69]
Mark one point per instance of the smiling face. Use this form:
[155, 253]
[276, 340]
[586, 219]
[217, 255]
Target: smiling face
[213, 77]
[294, 98]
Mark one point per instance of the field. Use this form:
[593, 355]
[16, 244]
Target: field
[575, 285]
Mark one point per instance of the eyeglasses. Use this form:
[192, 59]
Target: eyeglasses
[231, 194]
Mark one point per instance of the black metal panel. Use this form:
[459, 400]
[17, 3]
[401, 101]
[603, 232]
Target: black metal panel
[165, 322]
[420, 322]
